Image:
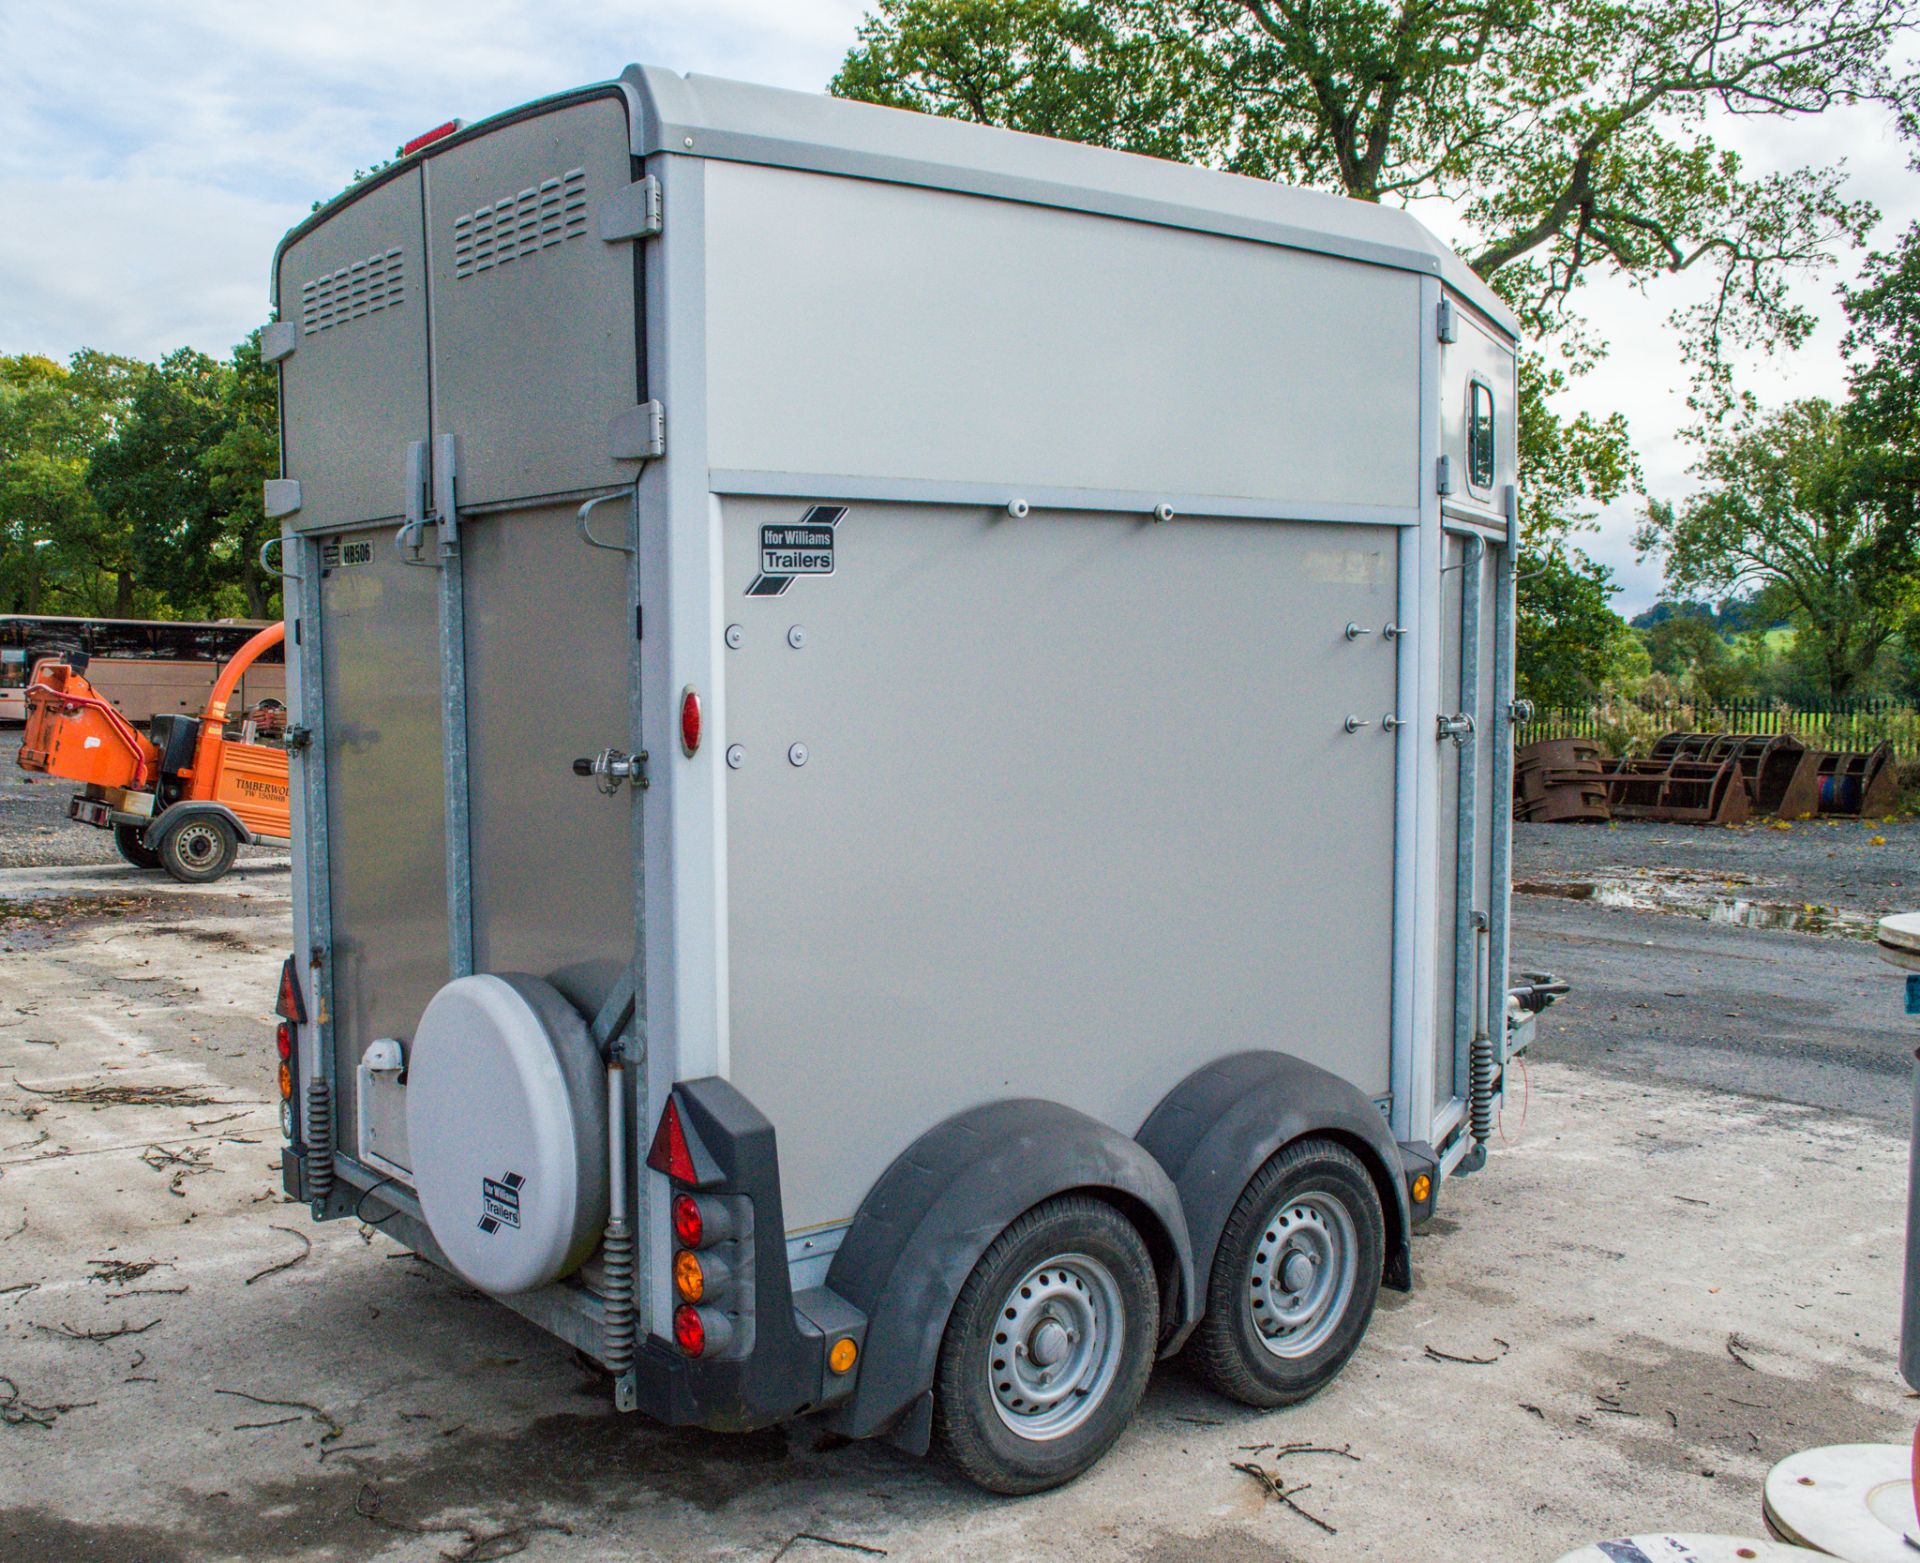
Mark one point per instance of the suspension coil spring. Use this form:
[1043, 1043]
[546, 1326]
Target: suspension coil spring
[616, 1264]
[319, 1141]
[1480, 1061]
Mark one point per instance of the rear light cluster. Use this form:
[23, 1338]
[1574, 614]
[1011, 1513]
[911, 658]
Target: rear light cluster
[704, 1229]
[291, 1010]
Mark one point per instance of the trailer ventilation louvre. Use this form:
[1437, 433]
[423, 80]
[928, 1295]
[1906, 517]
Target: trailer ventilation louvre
[378, 282]
[517, 225]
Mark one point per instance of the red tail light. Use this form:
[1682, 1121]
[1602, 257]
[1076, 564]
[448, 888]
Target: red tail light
[670, 1153]
[283, 1040]
[688, 1227]
[428, 137]
[689, 1332]
[690, 722]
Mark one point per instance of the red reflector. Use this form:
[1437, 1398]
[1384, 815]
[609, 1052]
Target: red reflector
[687, 1225]
[670, 1153]
[288, 1005]
[427, 138]
[689, 1334]
[690, 721]
[283, 1040]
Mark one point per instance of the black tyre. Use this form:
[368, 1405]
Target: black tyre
[1295, 1277]
[1048, 1348]
[199, 849]
[127, 839]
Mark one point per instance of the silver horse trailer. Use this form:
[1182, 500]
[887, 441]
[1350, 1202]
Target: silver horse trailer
[902, 738]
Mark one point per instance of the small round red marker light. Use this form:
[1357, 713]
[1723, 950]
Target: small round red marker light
[283, 1039]
[689, 1333]
[688, 1226]
[690, 721]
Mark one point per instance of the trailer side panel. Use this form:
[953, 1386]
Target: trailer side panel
[1075, 811]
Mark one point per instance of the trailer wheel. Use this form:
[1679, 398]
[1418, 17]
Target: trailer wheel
[1048, 1348]
[1295, 1277]
[127, 839]
[198, 851]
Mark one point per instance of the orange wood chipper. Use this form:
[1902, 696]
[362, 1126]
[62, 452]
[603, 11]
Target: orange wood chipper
[185, 795]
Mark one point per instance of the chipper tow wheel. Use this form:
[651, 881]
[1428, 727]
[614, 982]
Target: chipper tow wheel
[1048, 1348]
[133, 849]
[199, 850]
[1295, 1277]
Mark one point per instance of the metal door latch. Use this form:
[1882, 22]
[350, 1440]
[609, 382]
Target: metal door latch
[1355, 723]
[1458, 728]
[610, 767]
[1520, 712]
[1393, 723]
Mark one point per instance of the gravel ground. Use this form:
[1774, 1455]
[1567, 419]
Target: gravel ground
[1836, 863]
[1676, 996]
[1681, 1264]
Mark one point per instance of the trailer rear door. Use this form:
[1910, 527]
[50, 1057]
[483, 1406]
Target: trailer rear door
[534, 357]
[465, 338]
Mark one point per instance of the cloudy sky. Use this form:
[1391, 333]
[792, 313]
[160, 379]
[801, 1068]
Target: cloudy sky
[152, 155]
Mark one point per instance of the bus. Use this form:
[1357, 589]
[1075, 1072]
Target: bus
[146, 667]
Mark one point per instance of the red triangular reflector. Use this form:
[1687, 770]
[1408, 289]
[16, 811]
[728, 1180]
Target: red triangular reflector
[288, 1006]
[670, 1153]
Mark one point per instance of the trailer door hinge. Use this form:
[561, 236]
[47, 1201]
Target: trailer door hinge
[1443, 475]
[1449, 322]
[297, 739]
[634, 212]
[278, 339]
[639, 433]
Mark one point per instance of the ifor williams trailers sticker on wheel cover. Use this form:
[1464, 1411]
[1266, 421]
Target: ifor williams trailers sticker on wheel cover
[500, 1200]
[803, 547]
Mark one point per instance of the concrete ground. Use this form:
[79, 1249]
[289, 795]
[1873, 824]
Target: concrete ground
[1681, 1264]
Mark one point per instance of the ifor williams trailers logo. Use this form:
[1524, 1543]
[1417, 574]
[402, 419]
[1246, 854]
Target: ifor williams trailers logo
[500, 1202]
[803, 547]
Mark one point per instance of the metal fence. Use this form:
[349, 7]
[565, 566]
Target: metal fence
[1630, 726]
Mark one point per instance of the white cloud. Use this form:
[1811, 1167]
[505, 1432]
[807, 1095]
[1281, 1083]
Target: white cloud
[155, 154]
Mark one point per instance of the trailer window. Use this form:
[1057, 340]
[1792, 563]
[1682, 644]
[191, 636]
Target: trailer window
[1480, 435]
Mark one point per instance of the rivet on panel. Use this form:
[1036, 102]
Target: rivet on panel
[736, 757]
[798, 754]
[797, 636]
[735, 635]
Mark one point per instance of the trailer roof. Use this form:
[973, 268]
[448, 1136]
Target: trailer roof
[710, 116]
[737, 121]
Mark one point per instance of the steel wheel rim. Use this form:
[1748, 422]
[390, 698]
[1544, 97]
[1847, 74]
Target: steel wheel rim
[1302, 1275]
[1056, 1348]
[197, 845]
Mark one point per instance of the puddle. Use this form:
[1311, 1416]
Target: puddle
[1735, 900]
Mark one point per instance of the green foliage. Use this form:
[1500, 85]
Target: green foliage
[133, 489]
[1127, 76]
[1568, 641]
[1795, 505]
[58, 552]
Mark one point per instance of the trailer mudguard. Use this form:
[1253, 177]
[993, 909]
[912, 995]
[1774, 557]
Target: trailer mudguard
[936, 1209]
[1217, 1128]
[178, 814]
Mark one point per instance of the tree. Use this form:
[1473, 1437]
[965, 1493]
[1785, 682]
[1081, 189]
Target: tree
[56, 550]
[238, 462]
[1794, 504]
[150, 476]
